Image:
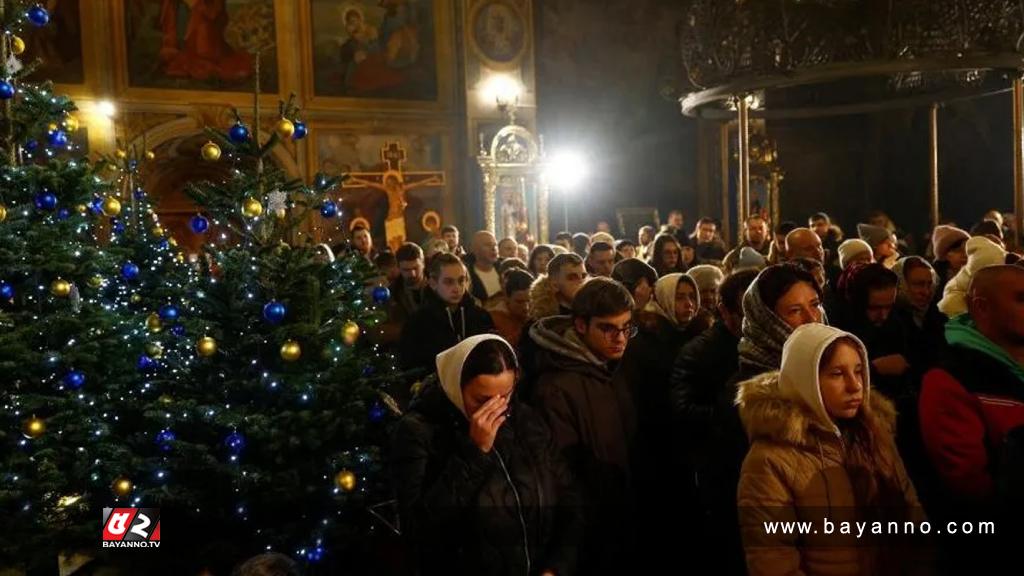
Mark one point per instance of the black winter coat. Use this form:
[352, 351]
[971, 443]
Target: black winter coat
[433, 329]
[465, 512]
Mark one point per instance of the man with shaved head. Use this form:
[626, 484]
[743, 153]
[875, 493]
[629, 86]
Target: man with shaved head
[482, 262]
[804, 243]
[970, 403]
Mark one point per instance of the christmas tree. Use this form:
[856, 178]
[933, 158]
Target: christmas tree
[66, 284]
[234, 393]
[271, 440]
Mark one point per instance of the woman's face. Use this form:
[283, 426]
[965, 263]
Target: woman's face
[842, 382]
[688, 255]
[686, 302]
[670, 255]
[642, 293]
[627, 251]
[479, 390]
[540, 263]
[799, 305]
[920, 287]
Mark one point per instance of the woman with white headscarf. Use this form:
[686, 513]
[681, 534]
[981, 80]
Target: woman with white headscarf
[481, 486]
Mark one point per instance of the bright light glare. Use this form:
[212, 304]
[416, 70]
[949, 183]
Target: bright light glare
[106, 108]
[503, 89]
[566, 170]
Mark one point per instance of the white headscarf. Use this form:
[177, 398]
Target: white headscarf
[450, 362]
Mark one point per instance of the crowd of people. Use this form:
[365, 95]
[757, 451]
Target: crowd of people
[608, 406]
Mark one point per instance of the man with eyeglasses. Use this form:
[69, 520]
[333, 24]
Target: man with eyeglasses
[447, 315]
[591, 414]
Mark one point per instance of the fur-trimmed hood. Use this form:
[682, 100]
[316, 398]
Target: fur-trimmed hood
[769, 415]
[787, 407]
[543, 301]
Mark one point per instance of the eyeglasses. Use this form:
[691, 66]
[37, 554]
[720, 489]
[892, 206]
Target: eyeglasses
[611, 331]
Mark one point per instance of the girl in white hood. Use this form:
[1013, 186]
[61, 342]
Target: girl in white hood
[482, 489]
[822, 447]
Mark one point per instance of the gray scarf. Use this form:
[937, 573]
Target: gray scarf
[764, 333]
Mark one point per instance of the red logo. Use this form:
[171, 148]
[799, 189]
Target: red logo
[131, 527]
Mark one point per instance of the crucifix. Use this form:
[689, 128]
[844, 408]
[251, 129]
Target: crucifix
[394, 183]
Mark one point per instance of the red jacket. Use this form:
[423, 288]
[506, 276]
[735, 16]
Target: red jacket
[966, 409]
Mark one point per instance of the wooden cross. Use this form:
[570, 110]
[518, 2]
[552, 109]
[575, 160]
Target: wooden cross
[395, 184]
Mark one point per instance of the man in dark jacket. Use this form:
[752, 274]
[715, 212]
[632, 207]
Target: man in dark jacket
[708, 248]
[702, 369]
[970, 405]
[591, 415]
[407, 292]
[447, 315]
[482, 263]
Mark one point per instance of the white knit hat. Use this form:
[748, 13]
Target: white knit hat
[849, 250]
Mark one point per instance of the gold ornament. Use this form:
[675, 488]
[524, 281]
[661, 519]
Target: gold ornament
[291, 351]
[280, 213]
[285, 128]
[136, 298]
[122, 486]
[251, 208]
[111, 206]
[206, 346]
[172, 242]
[3, 212]
[71, 124]
[81, 208]
[96, 281]
[52, 126]
[121, 154]
[155, 350]
[153, 323]
[346, 480]
[150, 155]
[165, 399]
[350, 333]
[17, 45]
[210, 152]
[180, 258]
[33, 427]
[60, 288]
[158, 232]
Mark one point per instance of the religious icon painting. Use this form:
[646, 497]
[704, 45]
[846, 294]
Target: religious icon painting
[200, 44]
[393, 180]
[499, 32]
[374, 49]
[58, 45]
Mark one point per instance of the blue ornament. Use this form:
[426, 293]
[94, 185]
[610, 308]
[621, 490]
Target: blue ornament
[315, 554]
[139, 194]
[381, 294]
[118, 226]
[96, 206]
[57, 138]
[367, 371]
[6, 90]
[74, 379]
[38, 15]
[300, 130]
[146, 363]
[329, 209]
[133, 164]
[377, 413]
[31, 145]
[169, 313]
[46, 200]
[130, 271]
[63, 214]
[199, 224]
[178, 330]
[238, 133]
[274, 312]
[164, 439]
[6, 291]
[235, 442]
[164, 244]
